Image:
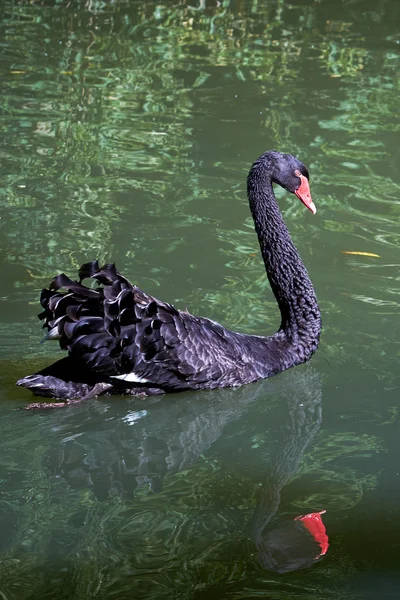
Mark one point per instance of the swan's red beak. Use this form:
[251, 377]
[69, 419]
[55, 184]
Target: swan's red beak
[303, 192]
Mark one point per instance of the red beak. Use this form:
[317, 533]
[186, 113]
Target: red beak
[315, 526]
[303, 192]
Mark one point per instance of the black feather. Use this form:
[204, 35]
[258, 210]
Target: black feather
[88, 270]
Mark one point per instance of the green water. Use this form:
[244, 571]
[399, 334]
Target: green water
[127, 129]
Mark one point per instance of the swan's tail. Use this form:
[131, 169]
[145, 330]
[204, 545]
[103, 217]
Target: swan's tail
[64, 380]
[67, 381]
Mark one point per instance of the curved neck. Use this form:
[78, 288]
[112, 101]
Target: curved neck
[290, 283]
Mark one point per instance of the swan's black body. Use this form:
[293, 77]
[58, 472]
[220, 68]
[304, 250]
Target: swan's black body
[121, 340]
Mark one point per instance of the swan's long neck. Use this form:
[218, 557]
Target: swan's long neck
[290, 283]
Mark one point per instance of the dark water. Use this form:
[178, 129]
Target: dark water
[127, 129]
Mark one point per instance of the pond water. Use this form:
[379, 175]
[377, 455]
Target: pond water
[127, 130]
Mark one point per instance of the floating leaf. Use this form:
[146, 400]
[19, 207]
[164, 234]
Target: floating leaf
[360, 253]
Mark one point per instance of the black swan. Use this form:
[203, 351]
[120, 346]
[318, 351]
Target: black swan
[121, 340]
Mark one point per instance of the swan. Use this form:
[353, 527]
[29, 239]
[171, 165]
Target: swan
[121, 340]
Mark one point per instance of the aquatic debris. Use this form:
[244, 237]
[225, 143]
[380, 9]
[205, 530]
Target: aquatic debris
[360, 253]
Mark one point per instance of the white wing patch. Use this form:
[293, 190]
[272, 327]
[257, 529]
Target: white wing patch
[131, 378]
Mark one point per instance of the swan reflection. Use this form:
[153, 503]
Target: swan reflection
[261, 431]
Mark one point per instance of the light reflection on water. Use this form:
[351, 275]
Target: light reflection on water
[128, 129]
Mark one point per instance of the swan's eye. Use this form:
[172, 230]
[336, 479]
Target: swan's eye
[297, 173]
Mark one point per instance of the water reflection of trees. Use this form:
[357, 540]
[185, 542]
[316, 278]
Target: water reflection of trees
[107, 100]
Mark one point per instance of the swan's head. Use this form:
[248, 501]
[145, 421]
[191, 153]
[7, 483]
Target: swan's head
[288, 172]
[292, 175]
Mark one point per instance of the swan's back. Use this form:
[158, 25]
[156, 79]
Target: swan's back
[123, 335]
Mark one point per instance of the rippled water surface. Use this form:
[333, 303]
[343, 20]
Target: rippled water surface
[127, 129]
